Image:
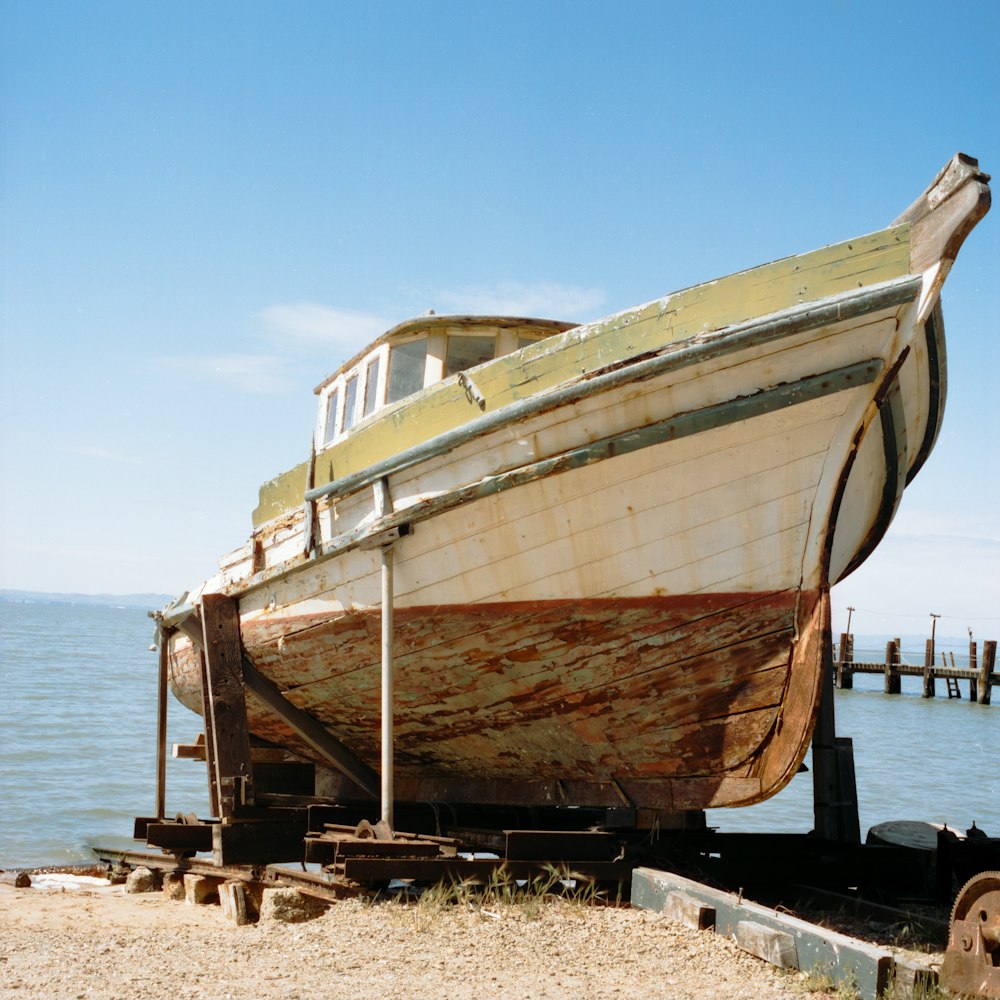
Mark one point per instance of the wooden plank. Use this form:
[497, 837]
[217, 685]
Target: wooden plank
[687, 910]
[774, 946]
[180, 836]
[257, 842]
[775, 934]
[227, 716]
[258, 755]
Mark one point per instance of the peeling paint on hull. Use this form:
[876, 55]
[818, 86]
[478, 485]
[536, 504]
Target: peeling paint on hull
[659, 696]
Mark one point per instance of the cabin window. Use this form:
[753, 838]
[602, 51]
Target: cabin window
[350, 401]
[466, 352]
[371, 385]
[523, 341]
[332, 407]
[406, 368]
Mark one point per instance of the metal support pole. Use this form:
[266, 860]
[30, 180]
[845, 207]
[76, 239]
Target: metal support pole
[387, 686]
[161, 731]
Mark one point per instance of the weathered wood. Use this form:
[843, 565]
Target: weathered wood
[835, 804]
[774, 934]
[892, 681]
[260, 841]
[973, 669]
[774, 946]
[688, 910]
[911, 670]
[258, 754]
[316, 736]
[986, 671]
[777, 326]
[663, 452]
[928, 685]
[180, 837]
[233, 898]
[845, 654]
[946, 212]
[320, 850]
[227, 716]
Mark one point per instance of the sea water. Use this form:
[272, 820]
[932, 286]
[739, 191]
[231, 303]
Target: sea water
[78, 743]
[78, 694]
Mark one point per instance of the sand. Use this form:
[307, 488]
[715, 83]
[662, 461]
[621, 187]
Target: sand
[96, 941]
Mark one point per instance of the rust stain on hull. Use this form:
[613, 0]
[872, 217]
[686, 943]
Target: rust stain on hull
[676, 700]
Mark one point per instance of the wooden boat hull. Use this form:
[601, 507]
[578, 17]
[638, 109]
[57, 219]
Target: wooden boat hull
[669, 703]
[612, 586]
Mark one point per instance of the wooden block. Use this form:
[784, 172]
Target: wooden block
[232, 896]
[774, 946]
[253, 842]
[687, 910]
[199, 889]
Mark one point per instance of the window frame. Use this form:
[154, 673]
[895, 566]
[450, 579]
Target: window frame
[336, 393]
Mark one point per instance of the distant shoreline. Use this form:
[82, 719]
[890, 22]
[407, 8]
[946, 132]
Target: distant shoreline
[145, 601]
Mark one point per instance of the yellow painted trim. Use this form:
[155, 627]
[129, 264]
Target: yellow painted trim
[782, 284]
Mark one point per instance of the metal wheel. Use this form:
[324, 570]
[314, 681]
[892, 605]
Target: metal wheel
[972, 962]
[978, 901]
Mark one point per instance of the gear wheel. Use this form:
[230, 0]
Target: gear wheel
[972, 962]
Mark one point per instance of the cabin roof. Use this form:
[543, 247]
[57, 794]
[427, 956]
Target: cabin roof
[431, 321]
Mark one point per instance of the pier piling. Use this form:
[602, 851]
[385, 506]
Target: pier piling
[892, 667]
[981, 672]
[928, 688]
[986, 671]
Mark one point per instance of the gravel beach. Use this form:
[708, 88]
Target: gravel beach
[98, 942]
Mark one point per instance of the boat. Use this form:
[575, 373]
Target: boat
[530, 562]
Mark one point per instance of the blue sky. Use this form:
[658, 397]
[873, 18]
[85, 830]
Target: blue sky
[207, 206]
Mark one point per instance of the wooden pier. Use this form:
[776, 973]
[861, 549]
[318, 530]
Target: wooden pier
[980, 674]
